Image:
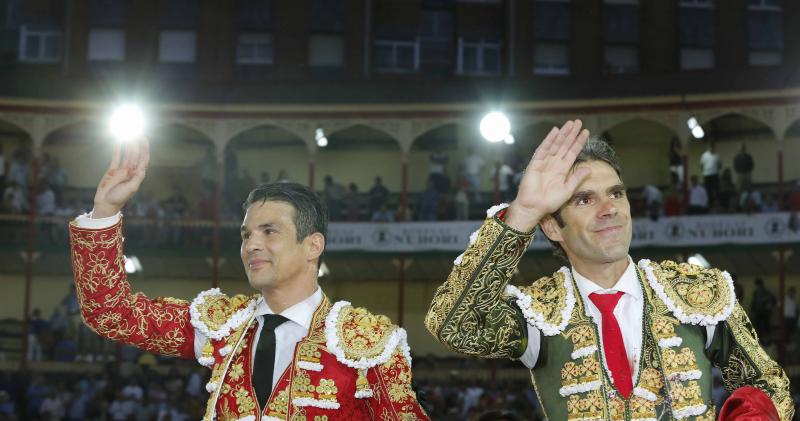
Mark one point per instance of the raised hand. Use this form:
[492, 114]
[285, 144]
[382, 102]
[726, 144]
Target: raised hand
[548, 181]
[123, 178]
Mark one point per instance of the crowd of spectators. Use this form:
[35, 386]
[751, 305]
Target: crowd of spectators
[453, 191]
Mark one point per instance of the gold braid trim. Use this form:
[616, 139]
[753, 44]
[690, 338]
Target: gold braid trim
[470, 312]
[749, 365]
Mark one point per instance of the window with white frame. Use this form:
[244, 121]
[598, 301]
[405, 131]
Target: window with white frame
[397, 56]
[40, 44]
[254, 49]
[326, 51]
[478, 57]
[765, 32]
[551, 33]
[177, 46]
[697, 33]
[106, 45]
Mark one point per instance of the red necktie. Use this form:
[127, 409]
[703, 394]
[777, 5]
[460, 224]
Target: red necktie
[613, 346]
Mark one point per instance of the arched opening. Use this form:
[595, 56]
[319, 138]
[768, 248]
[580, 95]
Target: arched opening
[348, 168]
[733, 137]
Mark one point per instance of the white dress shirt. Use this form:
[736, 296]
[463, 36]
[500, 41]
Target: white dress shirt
[629, 313]
[287, 335]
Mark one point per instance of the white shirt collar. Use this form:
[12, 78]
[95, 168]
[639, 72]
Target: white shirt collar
[301, 313]
[628, 283]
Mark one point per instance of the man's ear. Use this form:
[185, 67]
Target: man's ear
[550, 228]
[315, 245]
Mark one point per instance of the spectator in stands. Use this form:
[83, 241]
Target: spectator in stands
[698, 198]
[727, 191]
[473, 163]
[789, 314]
[771, 204]
[462, 203]
[383, 214]
[378, 195]
[428, 202]
[52, 407]
[761, 306]
[437, 171]
[353, 202]
[674, 201]
[175, 208]
[20, 168]
[37, 328]
[46, 200]
[503, 176]
[710, 165]
[653, 201]
[675, 161]
[743, 165]
[36, 393]
[283, 176]
[750, 199]
[121, 408]
[333, 195]
[57, 179]
[14, 198]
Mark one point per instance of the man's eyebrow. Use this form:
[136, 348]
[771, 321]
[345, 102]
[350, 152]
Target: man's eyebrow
[262, 226]
[582, 193]
[617, 187]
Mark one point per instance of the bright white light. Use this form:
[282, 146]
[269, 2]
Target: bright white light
[132, 264]
[127, 122]
[509, 139]
[495, 126]
[699, 260]
[322, 142]
[692, 123]
[698, 132]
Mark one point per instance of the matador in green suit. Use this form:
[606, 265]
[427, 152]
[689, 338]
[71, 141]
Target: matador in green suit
[605, 338]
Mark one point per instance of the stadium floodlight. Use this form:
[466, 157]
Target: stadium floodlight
[692, 123]
[495, 126]
[127, 122]
[319, 136]
[698, 132]
[132, 264]
[509, 139]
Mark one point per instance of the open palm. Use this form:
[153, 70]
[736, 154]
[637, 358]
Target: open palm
[549, 180]
[122, 179]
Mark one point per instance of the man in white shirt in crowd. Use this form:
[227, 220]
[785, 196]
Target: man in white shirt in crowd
[698, 198]
[472, 165]
[710, 165]
[653, 200]
[789, 313]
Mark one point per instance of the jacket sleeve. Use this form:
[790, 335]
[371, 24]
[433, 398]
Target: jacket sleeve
[393, 397]
[470, 312]
[108, 306]
[735, 349]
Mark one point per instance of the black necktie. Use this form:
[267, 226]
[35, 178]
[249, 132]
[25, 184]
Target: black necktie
[264, 363]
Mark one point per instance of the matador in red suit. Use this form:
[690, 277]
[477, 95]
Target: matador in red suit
[285, 353]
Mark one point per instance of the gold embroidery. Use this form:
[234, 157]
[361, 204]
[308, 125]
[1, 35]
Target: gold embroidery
[693, 289]
[588, 406]
[236, 371]
[397, 376]
[677, 362]
[651, 380]
[107, 304]
[616, 408]
[320, 418]
[586, 371]
[279, 406]
[749, 365]
[469, 312]
[309, 351]
[582, 336]
[245, 403]
[363, 334]
[301, 385]
[685, 395]
[548, 297]
[327, 390]
[642, 408]
[664, 327]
